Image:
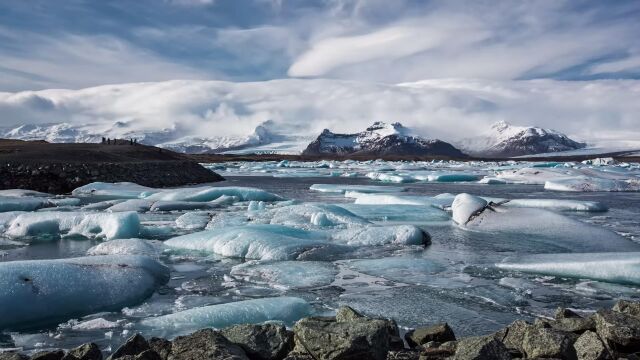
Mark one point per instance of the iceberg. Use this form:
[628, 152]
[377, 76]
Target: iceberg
[390, 177]
[305, 215]
[287, 275]
[589, 184]
[53, 225]
[210, 193]
[382, 235]
[558, 204]
[196, 220]
[394, 213]
[284, 309]
[40, 292]
[614, 267]
[101, 191]
[23, 193]
[378, 199]
[365, 189]
[465, 207]
[137, 205]
[151, 248]
[14, 203]
[256, 242]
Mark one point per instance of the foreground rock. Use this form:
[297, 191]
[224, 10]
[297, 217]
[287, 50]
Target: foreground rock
[261, 342]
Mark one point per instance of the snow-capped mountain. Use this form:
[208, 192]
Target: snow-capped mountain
[506, 140]
[379, 139]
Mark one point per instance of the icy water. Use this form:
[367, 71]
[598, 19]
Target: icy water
[454, 279]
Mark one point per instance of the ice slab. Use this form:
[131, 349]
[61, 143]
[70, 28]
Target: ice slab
[365, 189]
[210, 193]
[52, 225]
[592, 184]
[287, 275]
[137, 205]
[37, 292]
[14, 203]
[558, 204]
[466, 206]
[390, 177]
[306, 215]
[256, 242]
[23, 193]
[393, 213]
[151, 248]
[195, 220]
[378, 199]
[284, 309]
[399, 269]
[382, 235]
[113, 191]
[615, 267]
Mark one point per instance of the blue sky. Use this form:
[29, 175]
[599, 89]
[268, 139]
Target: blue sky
[75, 44]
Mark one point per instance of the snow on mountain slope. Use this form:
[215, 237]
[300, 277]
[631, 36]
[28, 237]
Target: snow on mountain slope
[223, 116]
[506, 140]
[379, 139]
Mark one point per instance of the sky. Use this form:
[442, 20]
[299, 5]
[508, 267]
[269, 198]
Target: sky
[75, 44]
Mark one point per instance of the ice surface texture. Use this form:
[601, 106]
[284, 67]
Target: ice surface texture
[15, 203]
[37, 292]
[151, 248]
[342, 188]
[287, 274]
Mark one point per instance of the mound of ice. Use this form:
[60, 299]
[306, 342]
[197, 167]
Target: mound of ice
[210, 193]
[378, 199]
[399, 269]
[587, 184]
[37, 292]
[304, 215]
[414, 214]
[14, 203]
[113, 191]
[137, 205]
[23, 193]
[622, 268]
[390, 177]
[466, 206]
[492, 181]
[195, 220]
[185, 205]
[65, 201]
[446, 177]
[285, 309]
[558, 204]
[382, 235]
[127, 247]
[256, 242]
[365, 189]
[287, 275]
[53, 225]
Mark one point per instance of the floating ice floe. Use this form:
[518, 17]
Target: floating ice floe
[51, 225]
[588, 184]
[14, 203]
[210, 193]
[365, 189]
[65, 201]
[310, 215]
[112, 191]
[151, 248]
[23, 193]
[466, 206]
[398, 269]
[378, 199]
[615, 267]
[195, 220]
[382, 235]
[287, 274]
[390, 177]
[37, 292]
[557, 204]
[137, 205]
[394, 213]
[284, 309]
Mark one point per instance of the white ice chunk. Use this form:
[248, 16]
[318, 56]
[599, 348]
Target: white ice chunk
[150, 248]
[195, 220]
[256, 206]
[209, 193]
[382, 235]
[66, 201]
[285, 309]
[287, 275]
[14, 203]
[558, 204]
[258, 242]
[365, 189]
[137, 205]
[311, 214]
[393, 213]
[615, 267]
[466, 206]
[390, 177]
[378, 199]
[74, 224]
[112, 191]
[588, 184]
[23, 193]
[492, 181]
[399, 269]
[36, 292]
[183, 205]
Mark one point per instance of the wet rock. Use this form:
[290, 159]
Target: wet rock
[590, 347]
[620, 332]
[88, 351]
[205, 345]
[403, 355]
[325, 338]
[628, 307]
[162, 347]
[439, 332]
[13, 356]
[513, 336]
[564, 313]
[574, 325]
[261, 342]
[347, 313]
[48, 355]
[542, 342]
[133, 346]
[481, 348]
[298, 356]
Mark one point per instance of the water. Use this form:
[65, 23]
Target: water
[454, 279]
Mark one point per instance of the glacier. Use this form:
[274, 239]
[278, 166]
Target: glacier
[37, 292]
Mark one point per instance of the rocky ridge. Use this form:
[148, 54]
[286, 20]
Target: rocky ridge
[606, 334]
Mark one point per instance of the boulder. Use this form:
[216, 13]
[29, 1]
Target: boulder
[513, 336]
[628, 307]
[481, 348]
[12, 356]
[205, 345]
[133, 346]
[439, 332]
[542, 342]
[564, 313]
[590, 347]
[620, 332]
[403, 355]
[48, 355]
[89, 351]
[162, 347]
[261, 342]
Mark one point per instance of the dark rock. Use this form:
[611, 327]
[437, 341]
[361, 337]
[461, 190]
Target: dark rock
[12, 356]
[347, 313]
[162, 347]
[147, 355]
[590, 347]
[89, 351]
[325, 338]
[439, 332]
[564, 313]
[298, 356]
[628, 307]
[574, 325]
[48, 355]
[403, 355]
[205, 345]
[513, 336]
[481, 348]
[133, 346]
[620, 332]
[261, 342]
[541, 342]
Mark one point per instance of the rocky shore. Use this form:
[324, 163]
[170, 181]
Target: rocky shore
[607, 334]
